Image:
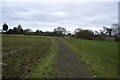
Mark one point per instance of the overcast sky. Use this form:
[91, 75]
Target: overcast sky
[71, 15]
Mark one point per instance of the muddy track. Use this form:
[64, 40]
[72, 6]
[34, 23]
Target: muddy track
[69, 65]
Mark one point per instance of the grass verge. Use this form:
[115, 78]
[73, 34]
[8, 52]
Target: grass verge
[101, 57]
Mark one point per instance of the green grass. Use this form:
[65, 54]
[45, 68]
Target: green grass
[13, 42]
[17, 62]
[101, 57]
[47, 70]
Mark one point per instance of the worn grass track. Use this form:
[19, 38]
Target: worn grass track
[68, 63]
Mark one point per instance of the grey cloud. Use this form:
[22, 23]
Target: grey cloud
[60, 13]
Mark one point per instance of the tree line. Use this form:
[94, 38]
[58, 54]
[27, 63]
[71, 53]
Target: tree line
[113, 31]
[60, 31]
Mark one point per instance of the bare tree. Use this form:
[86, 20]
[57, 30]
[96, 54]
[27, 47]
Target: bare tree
[96, 33]
[19, 29]
[108, 31]
[77, 30]
[28, 30]
[60, 31]
[115, 29]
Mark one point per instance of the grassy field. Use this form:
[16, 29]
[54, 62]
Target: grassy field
[101, 57]
[48, 65]
[19, 41]
[35, 56]
[31, 51]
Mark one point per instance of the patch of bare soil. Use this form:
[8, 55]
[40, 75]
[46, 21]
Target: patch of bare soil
[69, 65]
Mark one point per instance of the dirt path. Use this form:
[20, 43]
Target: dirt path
[69, 65]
